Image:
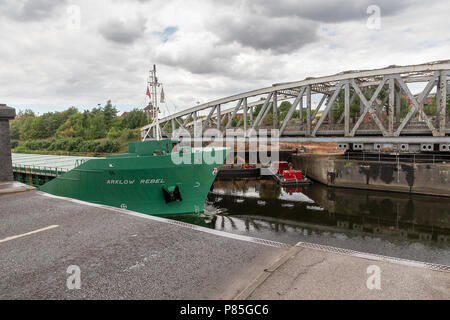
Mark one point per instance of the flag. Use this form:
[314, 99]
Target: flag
[162, 95]
[148, 93]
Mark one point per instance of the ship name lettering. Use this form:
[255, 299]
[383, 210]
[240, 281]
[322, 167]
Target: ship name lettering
[120, 181]
[151, 181]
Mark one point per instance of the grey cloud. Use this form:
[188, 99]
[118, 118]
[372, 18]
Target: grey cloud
[280, 35]
[287, 25]
[219, 59]
[328, 11]
[344, 10]
[30, 10]
[194, 65]
[123, 32]
[198, 60]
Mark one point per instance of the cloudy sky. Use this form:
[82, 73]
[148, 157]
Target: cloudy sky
[61, 53]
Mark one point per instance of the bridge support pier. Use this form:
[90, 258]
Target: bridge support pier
[6, 114]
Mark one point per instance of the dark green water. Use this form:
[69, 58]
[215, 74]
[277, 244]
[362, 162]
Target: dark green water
[393, 224]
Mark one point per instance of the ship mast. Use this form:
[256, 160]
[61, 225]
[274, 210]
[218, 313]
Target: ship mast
[153, 83]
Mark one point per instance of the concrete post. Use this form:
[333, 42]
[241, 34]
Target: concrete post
[6, 114]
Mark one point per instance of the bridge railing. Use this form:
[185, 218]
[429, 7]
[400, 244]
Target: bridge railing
[396, 158]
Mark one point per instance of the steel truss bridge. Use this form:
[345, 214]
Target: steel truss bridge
[378, 125]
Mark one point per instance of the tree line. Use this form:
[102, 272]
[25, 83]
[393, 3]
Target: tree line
[72, 130]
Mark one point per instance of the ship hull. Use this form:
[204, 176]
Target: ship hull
[143, 183]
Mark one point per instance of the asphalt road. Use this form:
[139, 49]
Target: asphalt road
[120, 256]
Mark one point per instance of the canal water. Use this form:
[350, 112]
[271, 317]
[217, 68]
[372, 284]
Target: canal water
[393, 224]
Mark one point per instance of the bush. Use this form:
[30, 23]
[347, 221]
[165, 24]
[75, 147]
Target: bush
[68, 144]
[114, 133]
[21, 148]
[110, 146]
[88, 146]
[37, 144]
[131, 134]
[58, 144]
[73, 144]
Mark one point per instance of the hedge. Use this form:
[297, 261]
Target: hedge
[73, 144]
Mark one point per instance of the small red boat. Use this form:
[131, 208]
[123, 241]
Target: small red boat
[286, 176]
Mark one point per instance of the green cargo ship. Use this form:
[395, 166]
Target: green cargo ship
[146, 179]
[150, 178]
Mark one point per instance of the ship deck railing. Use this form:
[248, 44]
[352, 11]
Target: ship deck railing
[38, 170]
[45, 165]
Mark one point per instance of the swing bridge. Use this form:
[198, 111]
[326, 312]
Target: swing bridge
[378, 124]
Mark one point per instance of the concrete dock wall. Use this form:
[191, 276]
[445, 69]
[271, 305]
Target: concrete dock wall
[315, 166]
[422, 178]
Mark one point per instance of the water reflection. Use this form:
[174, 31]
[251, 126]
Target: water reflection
[394, 224]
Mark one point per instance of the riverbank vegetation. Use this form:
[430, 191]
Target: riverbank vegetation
[97, 131]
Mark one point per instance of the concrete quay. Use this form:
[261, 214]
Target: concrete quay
[335, 171]
[14, 187]
[127, 255]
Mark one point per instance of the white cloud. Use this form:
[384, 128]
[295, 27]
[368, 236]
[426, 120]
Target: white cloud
[203, 49]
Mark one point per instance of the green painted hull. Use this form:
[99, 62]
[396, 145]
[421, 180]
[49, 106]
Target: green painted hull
[140, 181]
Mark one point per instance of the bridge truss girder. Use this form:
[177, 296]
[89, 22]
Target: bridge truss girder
[378, 117]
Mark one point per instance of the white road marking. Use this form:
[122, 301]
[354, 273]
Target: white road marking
[28, 233]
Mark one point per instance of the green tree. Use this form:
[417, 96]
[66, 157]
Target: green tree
[97, 126]
[70, 112]
[283, 109]
[47, 124]
[404, 107]
[114, 133]
[14, 129]
[110, 113]
[28, 128]
[339, 105]
[26, 113]
[134, 119]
